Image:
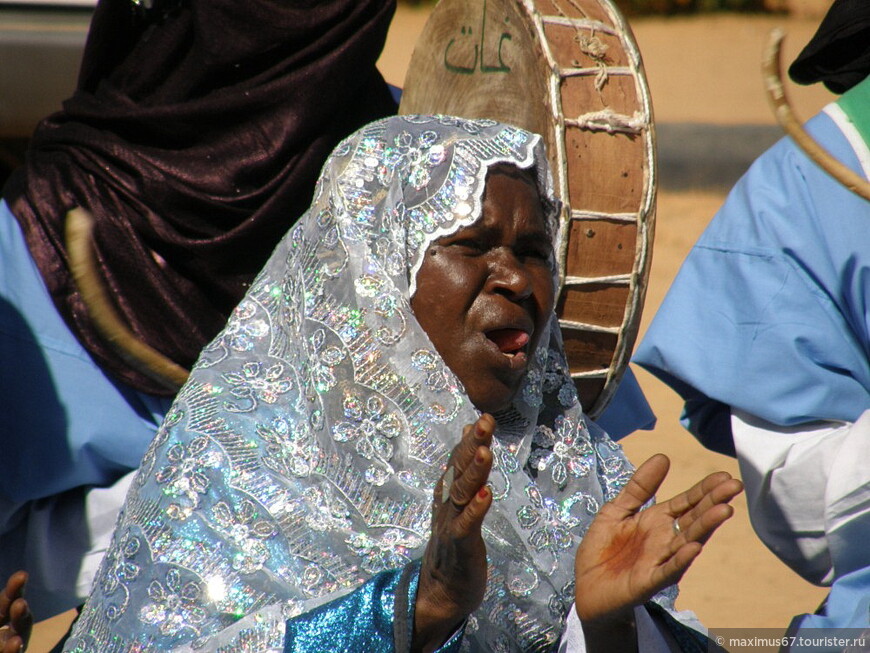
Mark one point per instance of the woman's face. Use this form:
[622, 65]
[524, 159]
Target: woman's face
[485, 293]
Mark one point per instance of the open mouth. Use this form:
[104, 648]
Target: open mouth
[510, 342]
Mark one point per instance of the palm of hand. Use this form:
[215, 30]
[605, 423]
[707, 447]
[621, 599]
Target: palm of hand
[629, 554]
[623, 560]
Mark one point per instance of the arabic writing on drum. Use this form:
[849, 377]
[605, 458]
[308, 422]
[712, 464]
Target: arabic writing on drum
[480, 52]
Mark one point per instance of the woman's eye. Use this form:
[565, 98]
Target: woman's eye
[543, 253]
[469, 244]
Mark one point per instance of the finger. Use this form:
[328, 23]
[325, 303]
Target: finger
[14, 589]
[465, 487]
[722, 493]
[21, 619]
[457, 457]
[13, 644]
[471, 462]
[673, 569]
[702, 528]
[470, 520]
[643, 484]
[473, 436]
[685, 501]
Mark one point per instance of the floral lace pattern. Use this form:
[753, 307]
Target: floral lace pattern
[174, 605]
[564, 451]
[300, 457]
[372, 428]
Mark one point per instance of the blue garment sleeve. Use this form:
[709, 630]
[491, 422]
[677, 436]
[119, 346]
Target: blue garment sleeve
[847, 606]
[770, 311]
[628, 410]
[66, 424]
[377, 617]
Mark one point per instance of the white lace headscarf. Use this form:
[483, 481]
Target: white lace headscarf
[301, 456]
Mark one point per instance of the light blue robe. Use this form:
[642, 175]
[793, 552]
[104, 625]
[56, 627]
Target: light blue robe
[66, 426]
[770, 314]
[59, 407]
[771, 310]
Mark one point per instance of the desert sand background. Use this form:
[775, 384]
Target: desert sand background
[703, 71]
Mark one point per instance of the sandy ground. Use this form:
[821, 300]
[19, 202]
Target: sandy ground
[700, 70]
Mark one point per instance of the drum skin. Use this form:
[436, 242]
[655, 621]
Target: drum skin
[570, 71]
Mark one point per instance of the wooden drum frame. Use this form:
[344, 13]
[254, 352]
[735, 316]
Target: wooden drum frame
[571, 71]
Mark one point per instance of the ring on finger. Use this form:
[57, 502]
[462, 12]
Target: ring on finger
[676, 526]
[446, 484]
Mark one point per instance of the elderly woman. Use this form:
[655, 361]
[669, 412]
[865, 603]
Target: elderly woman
[411, 308]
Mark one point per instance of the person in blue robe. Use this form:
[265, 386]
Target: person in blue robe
[765, 333]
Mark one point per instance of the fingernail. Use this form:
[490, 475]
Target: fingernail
[478, 430]
[482, 492]
[478, 457]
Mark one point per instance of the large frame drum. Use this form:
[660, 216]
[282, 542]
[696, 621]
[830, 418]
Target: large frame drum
[569, 70]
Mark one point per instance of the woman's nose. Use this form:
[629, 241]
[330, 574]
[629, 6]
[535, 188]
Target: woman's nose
[509, 275]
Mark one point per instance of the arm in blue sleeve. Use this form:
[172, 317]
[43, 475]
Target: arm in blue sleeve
[770, 311]
[628, 411]
[377, 617]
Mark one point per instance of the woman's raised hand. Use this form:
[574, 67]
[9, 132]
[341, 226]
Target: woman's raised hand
[629, 554]
[16, 621]
[453, 572]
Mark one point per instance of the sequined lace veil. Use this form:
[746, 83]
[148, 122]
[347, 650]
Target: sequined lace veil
[299, 459]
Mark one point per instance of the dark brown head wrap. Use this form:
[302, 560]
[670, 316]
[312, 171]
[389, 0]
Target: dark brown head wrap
[194, 138]
[839, 52]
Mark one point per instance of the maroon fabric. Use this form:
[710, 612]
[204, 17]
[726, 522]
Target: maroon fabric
[194, 138]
